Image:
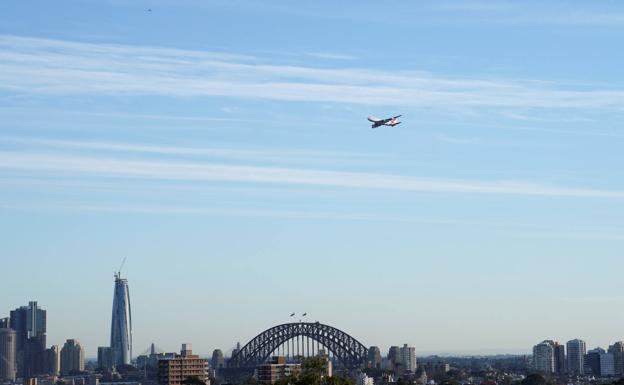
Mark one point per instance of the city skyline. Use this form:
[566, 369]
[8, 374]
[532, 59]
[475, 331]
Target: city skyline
[300, 317]
[223, 147]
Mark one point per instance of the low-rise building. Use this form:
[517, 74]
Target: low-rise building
[275, 370]
[173, 371]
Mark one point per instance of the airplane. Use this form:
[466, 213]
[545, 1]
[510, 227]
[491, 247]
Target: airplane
[393, 121]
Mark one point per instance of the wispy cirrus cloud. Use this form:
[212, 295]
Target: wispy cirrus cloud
[266, 155]
[330, 56]
[60, 164]
[530, 12]
[33, 66]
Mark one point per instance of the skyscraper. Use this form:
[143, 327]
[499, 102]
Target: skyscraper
[560, 358]
[407, 355]
[607, 365]
[29, 323]
[617, 349]
[576, 356]
[105, 357]
[374, 357]
[218, 361]
[34, 356]
[72, 357]
[8, 339]
[544, 357]
[393, 357]
[121, 323]
[52, 360]
[592, 361]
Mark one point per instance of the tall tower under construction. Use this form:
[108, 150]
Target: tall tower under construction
[121, 325]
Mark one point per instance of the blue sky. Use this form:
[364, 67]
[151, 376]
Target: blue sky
[222, 147]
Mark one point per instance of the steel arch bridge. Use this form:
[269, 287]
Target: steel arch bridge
[346, 349]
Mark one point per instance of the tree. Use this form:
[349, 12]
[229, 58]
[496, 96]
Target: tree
[619, 382]
[285, 381]
[193, 380]
[534, 379]
[313, 369]
[339, 380]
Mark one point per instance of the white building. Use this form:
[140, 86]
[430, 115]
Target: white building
[407, 357]
[544, 357]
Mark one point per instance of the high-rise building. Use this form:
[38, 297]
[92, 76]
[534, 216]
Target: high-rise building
[105, 357]
[617, 349]
[576, 356]
[218, 361]
[173, 371]
[29, 323]
[236, 349]
[599, 363]
[607, 365]
[8, 340]
[121, 323]
[544, 357]
[407, 356]
[560, 358]
[34, 356]
[374, 357]
[592, 361]
[393, 357]
[52, 360]
[5, 323]
[72, 357]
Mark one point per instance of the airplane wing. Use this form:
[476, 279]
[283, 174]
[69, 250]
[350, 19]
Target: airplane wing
[398, 116]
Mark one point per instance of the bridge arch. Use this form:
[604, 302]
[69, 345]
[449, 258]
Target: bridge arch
[346, 349]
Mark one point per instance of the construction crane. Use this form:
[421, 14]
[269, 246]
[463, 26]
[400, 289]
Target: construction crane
[118, 272]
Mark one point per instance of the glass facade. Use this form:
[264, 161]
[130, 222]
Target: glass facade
[121, 324]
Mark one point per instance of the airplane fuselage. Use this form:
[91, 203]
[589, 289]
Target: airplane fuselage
[391, 122]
